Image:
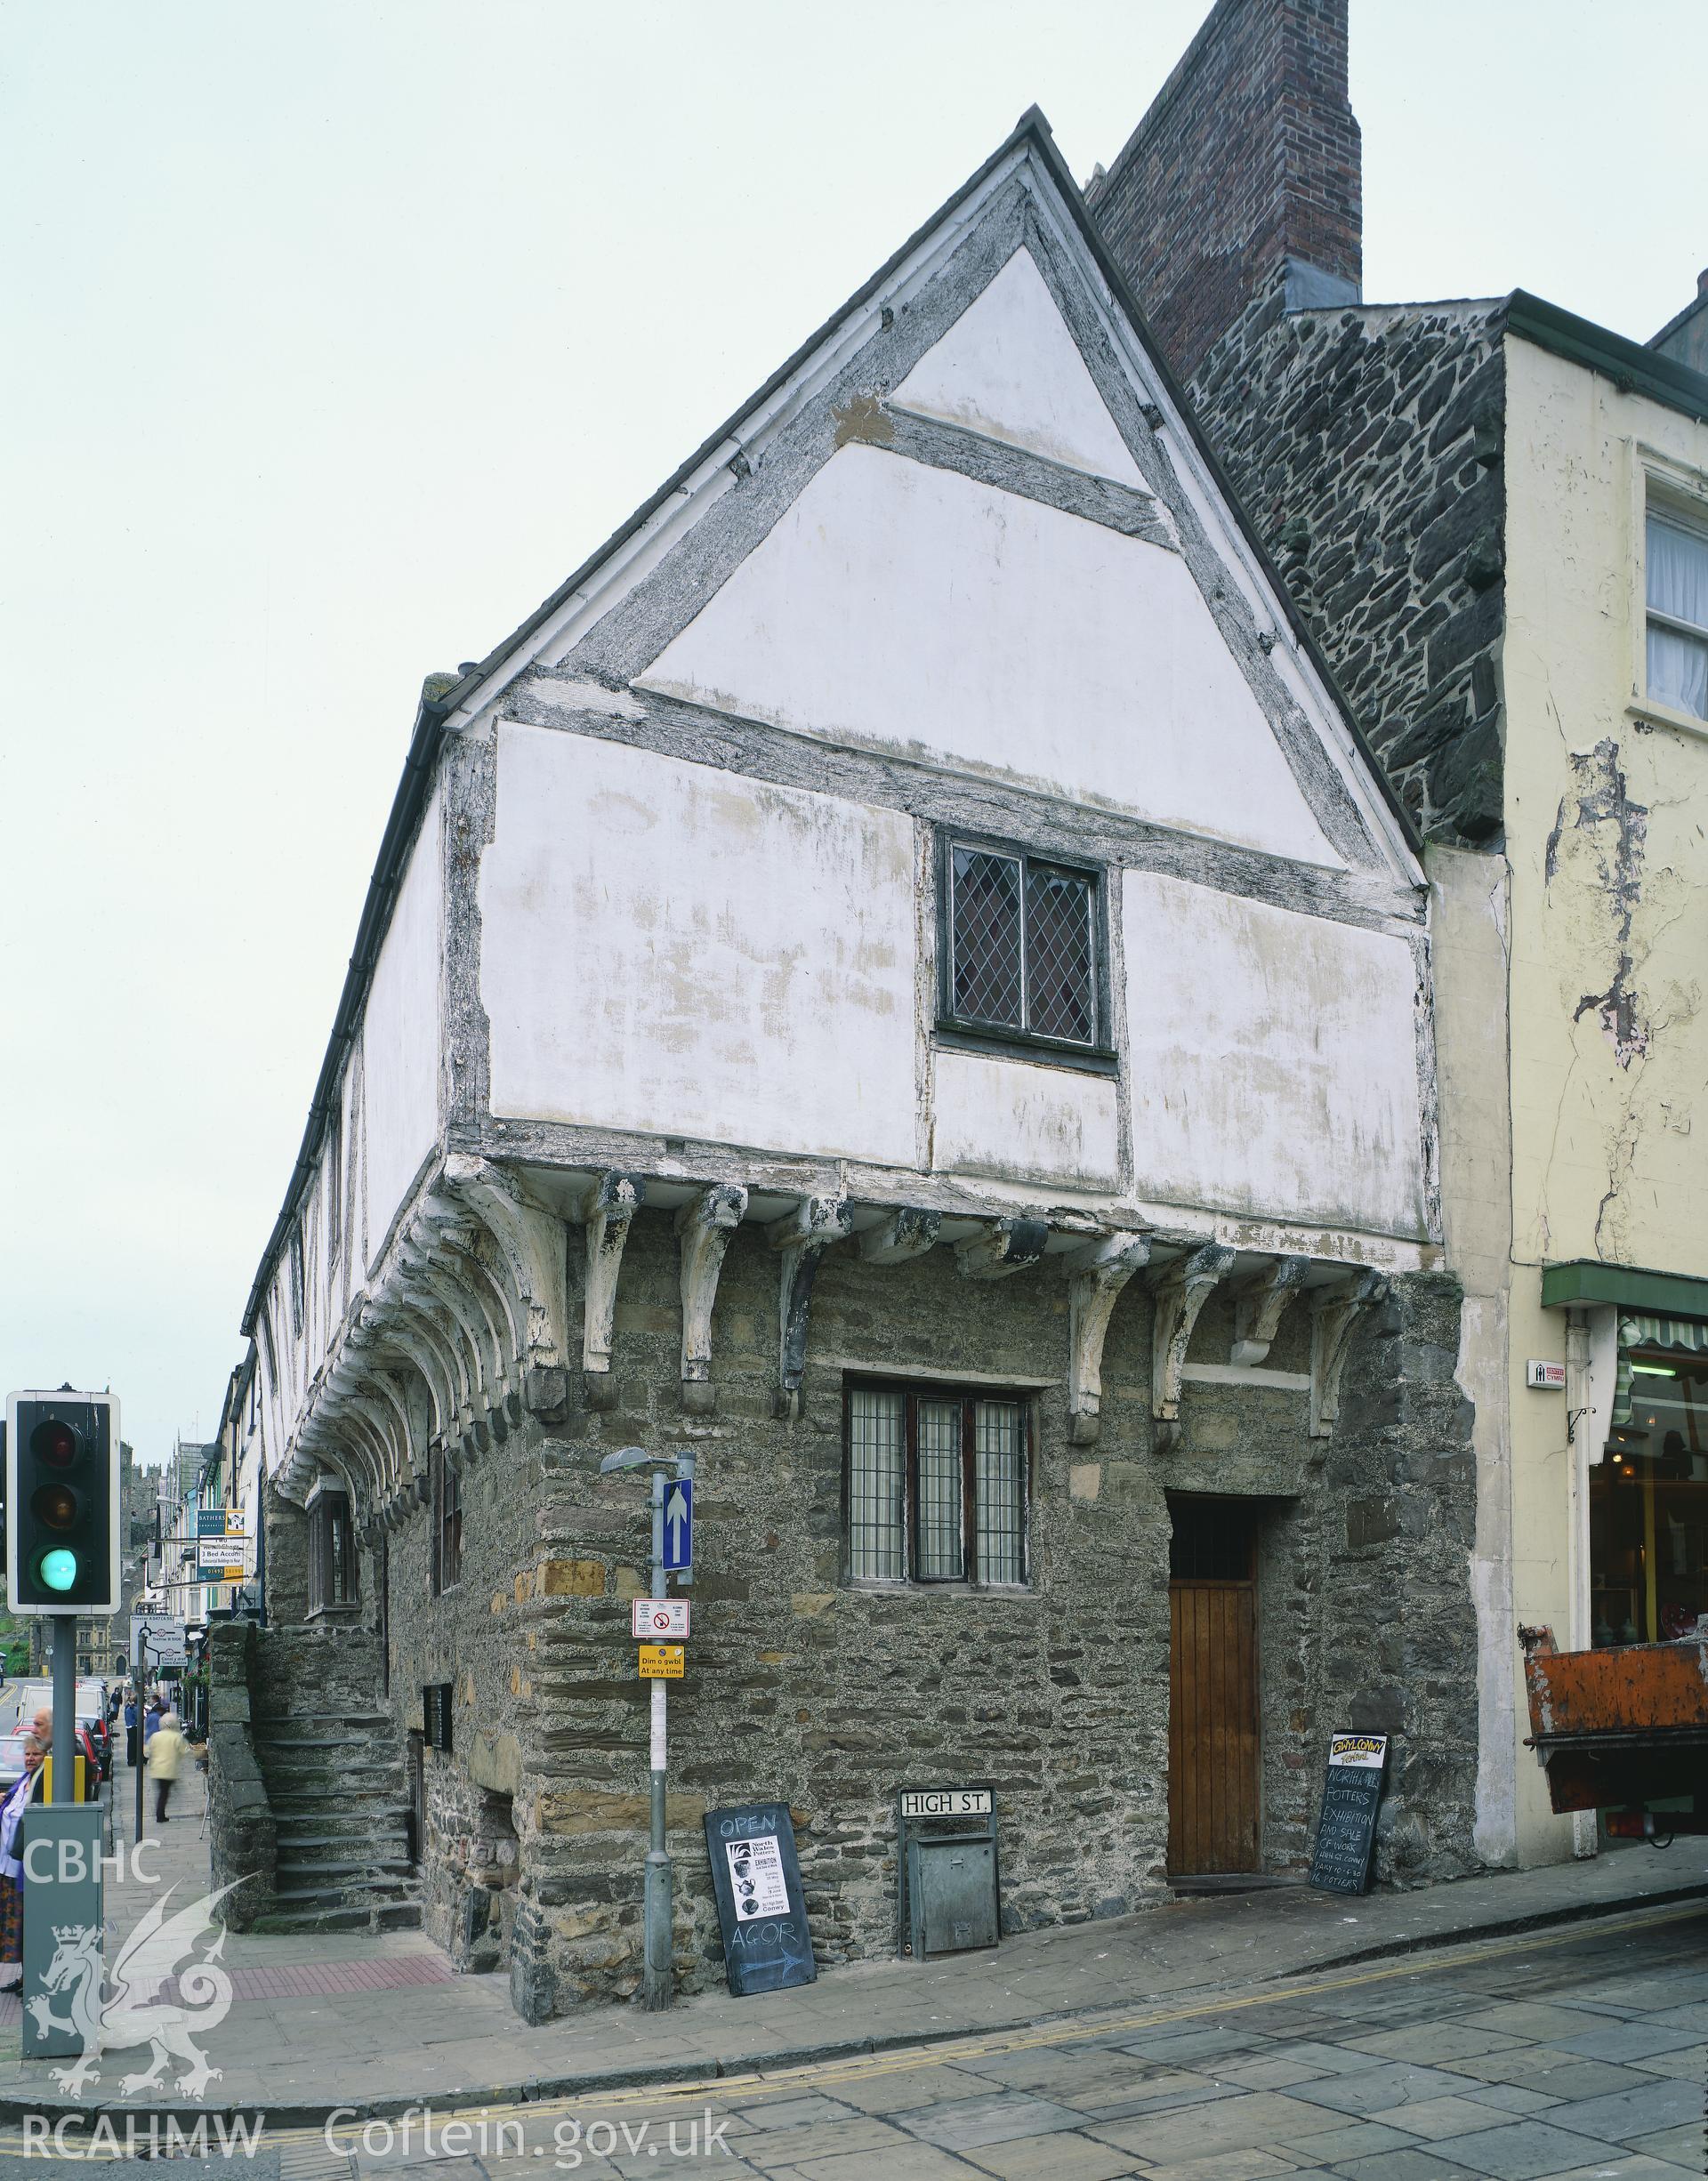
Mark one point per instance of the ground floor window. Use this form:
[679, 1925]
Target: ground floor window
[1648, 1494]
[936, 1485]
[332, 1553]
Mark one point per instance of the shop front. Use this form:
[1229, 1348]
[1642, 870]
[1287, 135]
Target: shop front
[1648, 1492]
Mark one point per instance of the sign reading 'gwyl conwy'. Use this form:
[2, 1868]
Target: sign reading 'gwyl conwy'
[1346, 1832]
[757, 1881]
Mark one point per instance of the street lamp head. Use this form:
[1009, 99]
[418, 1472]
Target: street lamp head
[628, 1458]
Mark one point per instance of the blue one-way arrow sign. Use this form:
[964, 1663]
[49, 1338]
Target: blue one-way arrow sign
[678, 1526]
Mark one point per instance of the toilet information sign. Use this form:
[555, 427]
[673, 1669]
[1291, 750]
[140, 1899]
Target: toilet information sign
[757, 1881]
[1346, 1830]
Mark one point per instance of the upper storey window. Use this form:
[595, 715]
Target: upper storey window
[1021, 948]
[1678, 616]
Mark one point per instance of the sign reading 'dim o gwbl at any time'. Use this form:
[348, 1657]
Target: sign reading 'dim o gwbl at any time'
[757, 1882]
[1346, 1832]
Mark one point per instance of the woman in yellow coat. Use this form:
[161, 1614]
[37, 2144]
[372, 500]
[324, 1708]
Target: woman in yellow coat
[165, 1754]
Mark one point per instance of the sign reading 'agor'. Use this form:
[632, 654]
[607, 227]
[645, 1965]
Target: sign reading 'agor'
[757, 1882]
[1346, 1832]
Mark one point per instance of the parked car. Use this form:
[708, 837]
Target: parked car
[12, 1758]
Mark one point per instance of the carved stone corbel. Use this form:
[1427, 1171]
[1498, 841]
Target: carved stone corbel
[1258, 1305]
[531, 1247]
[801, 1237]
[1001, 1247]
[900, 1236]
[1333, 1318]
[703, 1226]
[607, 1214]
[1180, 1290]
[1101, 1270]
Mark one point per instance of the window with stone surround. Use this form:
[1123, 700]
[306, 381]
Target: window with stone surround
[935, 1485]
[1020, 950]
[447, 1525]
[1675, 578]
[332, 1553]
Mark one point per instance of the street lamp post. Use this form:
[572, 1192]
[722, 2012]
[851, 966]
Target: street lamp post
[657, 1987]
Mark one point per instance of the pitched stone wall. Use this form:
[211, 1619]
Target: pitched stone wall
[803, 1688]
[1366, 444]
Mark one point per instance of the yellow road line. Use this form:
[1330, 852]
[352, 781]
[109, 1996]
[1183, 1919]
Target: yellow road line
[758, 2083]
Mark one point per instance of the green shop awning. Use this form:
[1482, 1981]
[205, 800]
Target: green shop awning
[1645, 1294]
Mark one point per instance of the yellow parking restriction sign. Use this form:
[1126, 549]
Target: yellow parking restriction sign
[662, 1661]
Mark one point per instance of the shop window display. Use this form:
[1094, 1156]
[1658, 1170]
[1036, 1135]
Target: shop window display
[1648, 1494]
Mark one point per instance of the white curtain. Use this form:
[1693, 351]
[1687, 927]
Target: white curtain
[1677, 587]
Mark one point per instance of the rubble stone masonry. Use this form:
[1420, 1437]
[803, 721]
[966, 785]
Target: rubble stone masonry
[1366, 443]
[803, 1687]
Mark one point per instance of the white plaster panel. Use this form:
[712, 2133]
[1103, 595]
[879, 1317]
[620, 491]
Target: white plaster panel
[909, 608]
[675, 949]
[401, 1035]
[1012, 1119]
[1010, 368]
[1274, 1060]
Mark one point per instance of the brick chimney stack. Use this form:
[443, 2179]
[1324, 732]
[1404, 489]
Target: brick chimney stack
[1243, 176]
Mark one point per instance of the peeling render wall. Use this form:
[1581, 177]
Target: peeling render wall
[1604, 818]
[1470, 919]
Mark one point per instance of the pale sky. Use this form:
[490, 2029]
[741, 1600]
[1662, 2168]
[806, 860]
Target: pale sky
[336, 333]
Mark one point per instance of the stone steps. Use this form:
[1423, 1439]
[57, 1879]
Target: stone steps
[320, 1827]
[403, 1915]
[340, 1801]
[302, 1885]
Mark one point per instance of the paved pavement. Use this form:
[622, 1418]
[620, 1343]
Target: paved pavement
[1566, 2056]
[378, 2022]
[1570, 2055]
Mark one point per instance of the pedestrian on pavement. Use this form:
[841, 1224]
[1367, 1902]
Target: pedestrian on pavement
[167, 1748]
[27, 1789]
[129, 1728]
[152, 1718]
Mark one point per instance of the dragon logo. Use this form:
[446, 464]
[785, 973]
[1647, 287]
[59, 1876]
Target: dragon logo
[141, 2009]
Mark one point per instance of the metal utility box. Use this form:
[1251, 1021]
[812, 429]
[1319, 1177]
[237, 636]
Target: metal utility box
[64, 1927]
[946, 1839]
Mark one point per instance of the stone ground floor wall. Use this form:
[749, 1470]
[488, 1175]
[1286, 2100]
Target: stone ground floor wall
[803, 1689]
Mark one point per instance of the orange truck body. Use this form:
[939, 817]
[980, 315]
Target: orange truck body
[1624, 1725]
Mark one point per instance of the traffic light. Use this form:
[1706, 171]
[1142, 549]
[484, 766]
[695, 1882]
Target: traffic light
[62, 1502]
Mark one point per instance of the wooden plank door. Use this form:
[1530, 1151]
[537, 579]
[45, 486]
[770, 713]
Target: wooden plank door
[1215, 1787]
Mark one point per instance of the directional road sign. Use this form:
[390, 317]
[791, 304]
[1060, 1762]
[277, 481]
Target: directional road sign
[679, 1525]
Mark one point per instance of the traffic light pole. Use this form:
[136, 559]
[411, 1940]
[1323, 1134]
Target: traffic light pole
[65, 1708]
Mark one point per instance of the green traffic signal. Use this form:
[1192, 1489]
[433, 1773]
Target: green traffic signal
[62, 1503]
[57, 1570]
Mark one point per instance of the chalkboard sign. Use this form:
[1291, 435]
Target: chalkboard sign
[1346, 1832]
[436, 1715]
[757, 1882]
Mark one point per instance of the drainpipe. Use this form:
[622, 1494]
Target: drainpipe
[1579, 1410]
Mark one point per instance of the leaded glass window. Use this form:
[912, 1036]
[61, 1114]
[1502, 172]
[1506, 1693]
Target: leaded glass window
[936, 1486]
[1020, 946]
[877, 1463]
